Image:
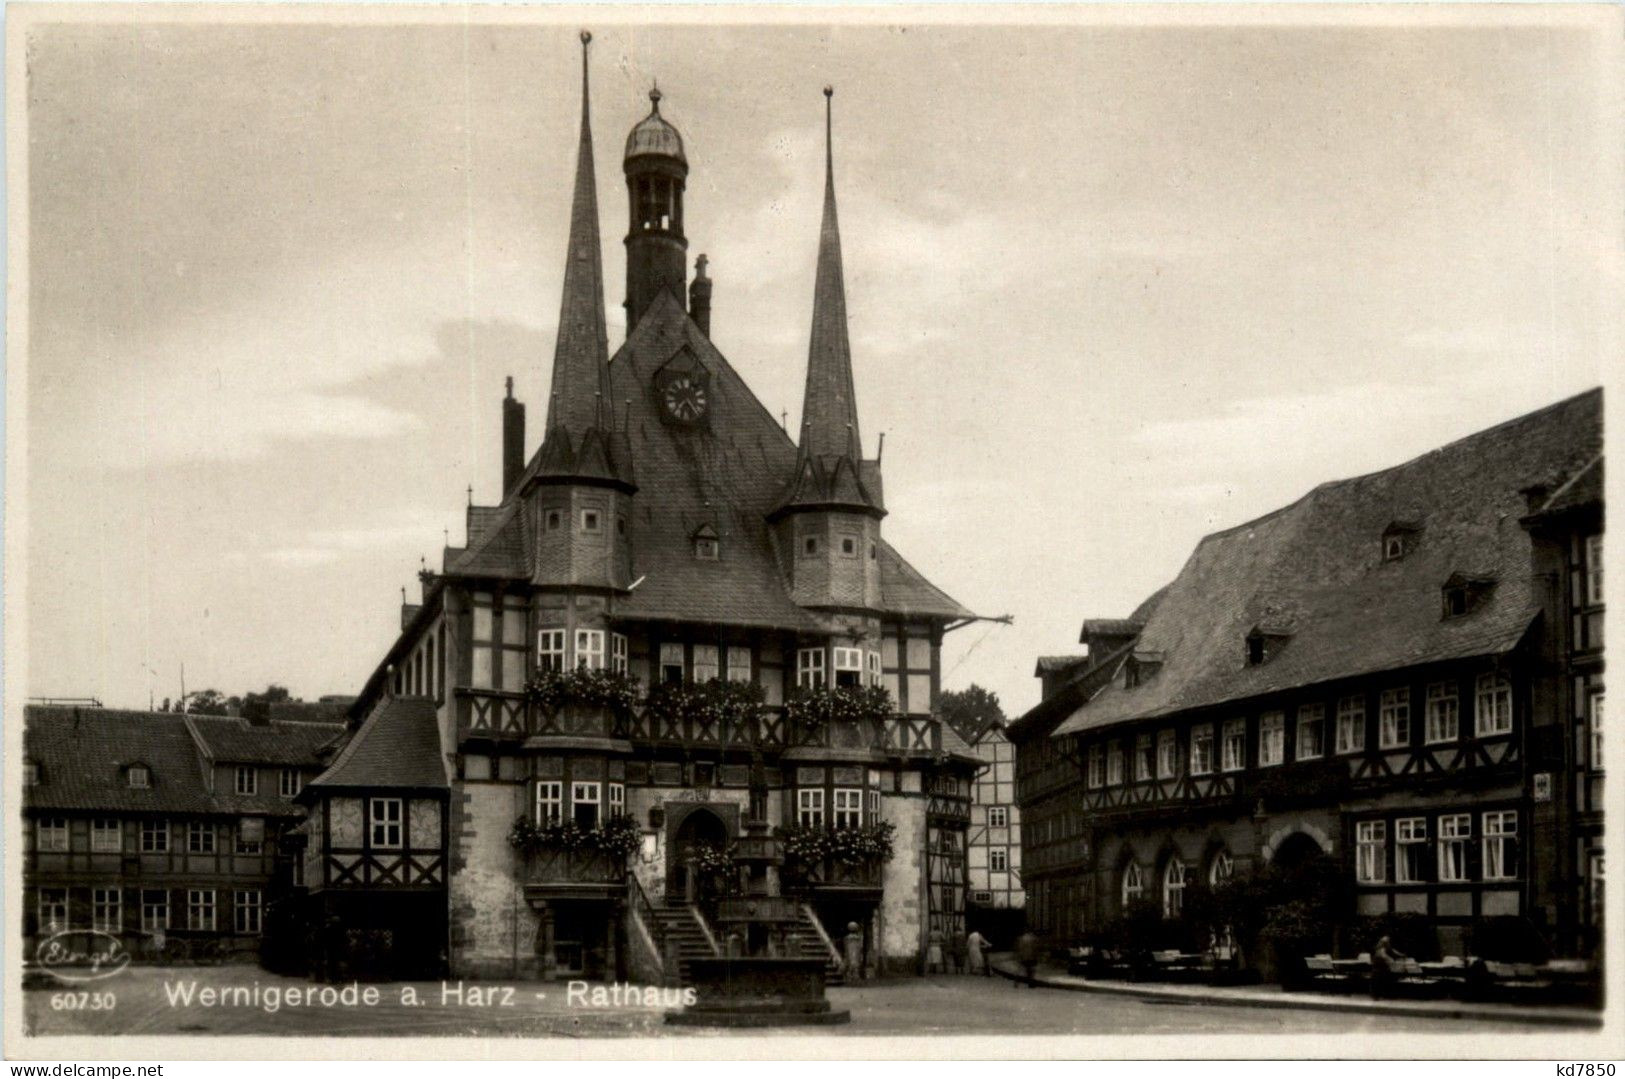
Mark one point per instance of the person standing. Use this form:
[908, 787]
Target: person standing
[976, 954]
[1027, 953]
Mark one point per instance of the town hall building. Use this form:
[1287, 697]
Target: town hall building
[678, 619]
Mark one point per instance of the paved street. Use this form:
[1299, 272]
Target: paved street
[938, 1005]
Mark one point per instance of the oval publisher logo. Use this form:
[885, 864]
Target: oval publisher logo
[81, 955]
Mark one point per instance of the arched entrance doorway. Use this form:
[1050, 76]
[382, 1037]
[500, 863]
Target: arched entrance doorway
[699, 826]
[1295, 851]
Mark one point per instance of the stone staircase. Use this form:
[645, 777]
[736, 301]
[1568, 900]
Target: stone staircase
[681, 932]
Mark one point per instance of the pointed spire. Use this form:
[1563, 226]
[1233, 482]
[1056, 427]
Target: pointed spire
[830, 408]
[581, 357]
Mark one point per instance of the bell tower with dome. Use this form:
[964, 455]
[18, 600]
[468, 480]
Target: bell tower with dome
[656, 249]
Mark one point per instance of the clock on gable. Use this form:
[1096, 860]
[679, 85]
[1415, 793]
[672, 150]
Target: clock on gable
[682, 389]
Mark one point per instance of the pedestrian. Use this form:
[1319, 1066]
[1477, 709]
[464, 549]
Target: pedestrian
[854, 952]
[1384, 958]
[933, 952]
[1027, 953]
[976, 954]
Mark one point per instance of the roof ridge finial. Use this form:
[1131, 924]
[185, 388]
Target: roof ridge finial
[655, 95]
[829, 131]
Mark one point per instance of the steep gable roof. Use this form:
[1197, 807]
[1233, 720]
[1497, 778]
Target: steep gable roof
[1316, 569]
[397, 747]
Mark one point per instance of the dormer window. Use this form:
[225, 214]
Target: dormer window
[1462, 594]
[139, 777]
[1264, 642]
[1399, 539]
[706, 543]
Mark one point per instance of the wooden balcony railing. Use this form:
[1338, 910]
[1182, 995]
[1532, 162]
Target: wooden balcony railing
[573, 867]
[500, 714]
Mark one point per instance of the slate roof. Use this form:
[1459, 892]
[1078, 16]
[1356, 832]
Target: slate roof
[729, 474]
[1316, 568]
[398, 746]
[230, 740]
[1583, 488]
[83, 754]
[1051, 664]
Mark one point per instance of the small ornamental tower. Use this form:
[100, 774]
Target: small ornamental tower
[656, 249]
[828, 522]
[579, 495]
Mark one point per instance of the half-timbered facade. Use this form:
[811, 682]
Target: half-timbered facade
[1366, 674]
[160, 828]
[676, 617]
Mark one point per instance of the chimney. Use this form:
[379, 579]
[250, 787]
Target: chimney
[513, 439]
[699, 297]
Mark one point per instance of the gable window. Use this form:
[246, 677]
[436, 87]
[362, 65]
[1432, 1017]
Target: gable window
[1410, 850]
[51, 833]
[140, 777]
[384, 818]
[200, 909]
[1394, 719]
[106, 836]
[1271, 739]
[1351, 724]
[1096, 774]
[1501, 844]
[1311, 731]
[53, 908]
[584, 804]
[1167, 755]
[1493, 705]
[154, 909]
[590, 521]
[200, 837]
[1133, 883]
[590, 649]
[848, 666]
[671, 663]
[1173, 888]
[290, 782]
[810, 807]
[154, 836]
[707, 663]
[998, 817]
[1234, 750]
[1455, 832]
[1371, 851]
[617, 653]
[1145, 758]
[550, 650]
[247, 780]
[1202, 749]
[246, 911]
[1114, 763]
[738, 663]
[848, 808]
[810, 668]
[549, 802]
[1443, 713]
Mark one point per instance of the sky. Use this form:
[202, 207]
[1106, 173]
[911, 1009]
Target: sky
[1111, 287]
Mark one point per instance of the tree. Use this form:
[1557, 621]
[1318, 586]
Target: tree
[971, 710]
[204, 702]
